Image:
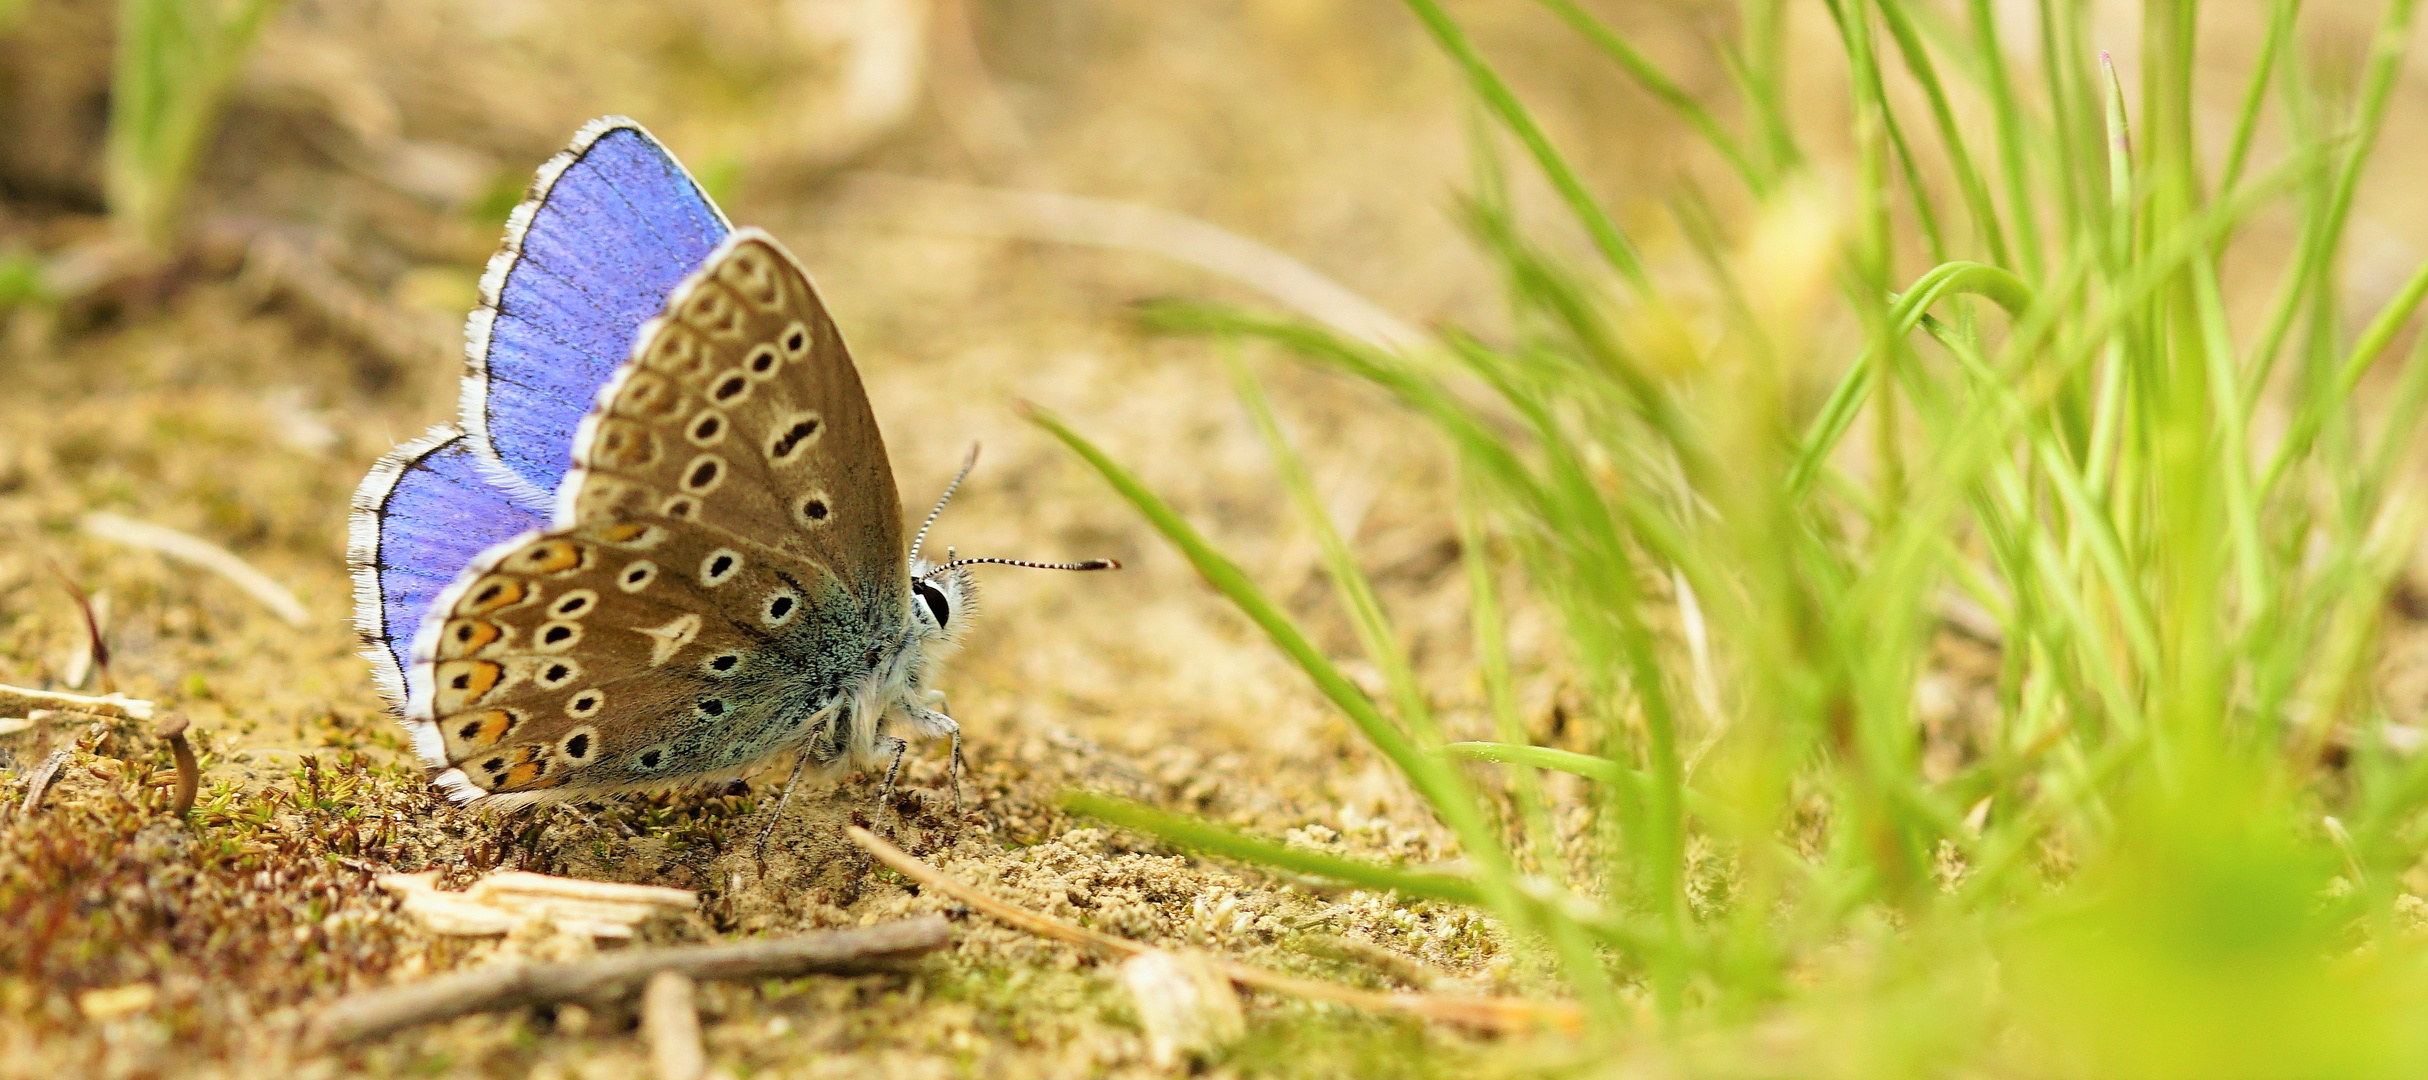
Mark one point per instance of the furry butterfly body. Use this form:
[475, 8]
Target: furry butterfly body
[716, 573]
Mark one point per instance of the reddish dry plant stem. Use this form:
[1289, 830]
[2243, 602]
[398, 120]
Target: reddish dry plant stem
[1489, 1013]
[92, 628]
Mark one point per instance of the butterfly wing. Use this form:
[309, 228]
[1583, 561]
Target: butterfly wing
[725, 568]
[620, 656]
[611, 225]
[741, 409]
[424, 512]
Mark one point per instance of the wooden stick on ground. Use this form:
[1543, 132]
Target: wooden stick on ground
[1489, 1013]
[670, 1021]
[615, 975]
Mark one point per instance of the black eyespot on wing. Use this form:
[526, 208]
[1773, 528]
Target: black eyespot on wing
[937, 605]
[704, 474]
[730, 388]
[471, 730]
[556, 634]
[585, 703]
[462, 681]
[796, 341]
[557, 673]
[793, 437]
[578, 746]
[719, 565]
[495, 764]
[814, 509]
[650, 759]
[712, 706]
[725, 662]
[707, 428]
[779, 607]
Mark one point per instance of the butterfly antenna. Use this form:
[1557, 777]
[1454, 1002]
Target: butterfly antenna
[1083, 564]
[968, 463]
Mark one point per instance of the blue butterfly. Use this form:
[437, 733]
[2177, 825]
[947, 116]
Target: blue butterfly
[662, 545]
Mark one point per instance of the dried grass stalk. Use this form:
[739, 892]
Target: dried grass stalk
[502, 903]
[1488, 1013]
[196, 551]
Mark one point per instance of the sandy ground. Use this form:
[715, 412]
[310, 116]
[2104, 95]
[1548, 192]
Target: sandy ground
[227, 407]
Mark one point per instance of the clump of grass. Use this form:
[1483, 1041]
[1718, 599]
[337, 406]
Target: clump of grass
[2001, 373]
[176, 59]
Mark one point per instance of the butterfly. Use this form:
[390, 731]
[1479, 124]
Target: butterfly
[662, 545]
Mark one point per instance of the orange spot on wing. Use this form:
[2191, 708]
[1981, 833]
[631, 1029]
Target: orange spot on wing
[549, 557]
[466, 682]
[479, 730]
[467, 637]
[493, 593]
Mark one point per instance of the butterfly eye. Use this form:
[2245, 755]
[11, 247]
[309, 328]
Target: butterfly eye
[937, 605]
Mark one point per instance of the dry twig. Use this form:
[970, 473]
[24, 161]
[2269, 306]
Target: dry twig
[96, 649]
[1489, 1013]
[614, 976]
[1071, 219]
[670, 1022]
[188, 548]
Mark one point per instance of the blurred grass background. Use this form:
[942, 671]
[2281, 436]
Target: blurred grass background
[1900, 554]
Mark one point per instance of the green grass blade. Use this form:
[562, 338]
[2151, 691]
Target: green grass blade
[1196, 834]
[1664, 89]
[1366, 616]
[1607, 237]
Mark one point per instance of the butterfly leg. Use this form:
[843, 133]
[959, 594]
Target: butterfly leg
[933, 722]
[895, 746]
[954, 773]
[800, 762]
